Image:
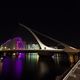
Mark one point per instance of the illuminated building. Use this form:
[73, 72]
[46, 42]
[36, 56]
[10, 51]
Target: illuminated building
[19, 43]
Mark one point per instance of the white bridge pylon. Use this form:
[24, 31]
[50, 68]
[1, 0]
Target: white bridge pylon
[42, 46]
[67, 48]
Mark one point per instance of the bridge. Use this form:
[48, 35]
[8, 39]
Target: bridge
[41, 47]
[32, 51]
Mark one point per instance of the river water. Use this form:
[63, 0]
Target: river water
[31, 66]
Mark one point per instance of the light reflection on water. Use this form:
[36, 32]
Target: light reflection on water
[31, 67]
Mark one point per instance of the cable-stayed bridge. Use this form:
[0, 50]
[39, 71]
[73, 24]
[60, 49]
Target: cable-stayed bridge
[17, 45]
[43, 47]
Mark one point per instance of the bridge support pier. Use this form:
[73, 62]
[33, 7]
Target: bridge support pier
[73, 58]
[76, 57]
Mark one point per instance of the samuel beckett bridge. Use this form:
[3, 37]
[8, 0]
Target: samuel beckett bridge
[18, 45]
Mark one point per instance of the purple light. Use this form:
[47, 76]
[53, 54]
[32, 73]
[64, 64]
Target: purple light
[21, 55]
[18, 68]
[6, 66]
[19, 43]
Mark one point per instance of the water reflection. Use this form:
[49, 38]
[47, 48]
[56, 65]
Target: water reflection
[6, 67]
[1, 67]
[31, 66]
[18, 68]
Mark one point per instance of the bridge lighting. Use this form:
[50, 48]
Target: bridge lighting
[5, 47]
[1, 47]
[1, 58]
[19, 56]
[14, 48]
[19, 53]
[8, 48]
[14, 54]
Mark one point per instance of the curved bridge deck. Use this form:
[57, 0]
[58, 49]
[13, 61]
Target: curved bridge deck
[30, 51]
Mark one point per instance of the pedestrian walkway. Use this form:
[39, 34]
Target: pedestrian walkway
[74, 73]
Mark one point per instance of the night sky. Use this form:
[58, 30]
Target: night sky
[60, 23]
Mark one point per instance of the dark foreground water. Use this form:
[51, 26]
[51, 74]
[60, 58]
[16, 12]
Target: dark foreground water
[32, 67]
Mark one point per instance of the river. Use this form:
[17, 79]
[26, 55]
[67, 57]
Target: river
[31, 66]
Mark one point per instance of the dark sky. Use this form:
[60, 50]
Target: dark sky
[60, 23]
